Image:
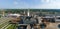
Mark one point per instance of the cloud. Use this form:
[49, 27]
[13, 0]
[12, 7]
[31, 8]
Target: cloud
[15, 2]
[45, 1]
[20, 4]
[41, 4]
[46, 4]
[53, 4]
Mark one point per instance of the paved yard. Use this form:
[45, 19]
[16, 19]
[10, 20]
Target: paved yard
[52, 26]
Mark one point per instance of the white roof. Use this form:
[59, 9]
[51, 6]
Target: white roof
[48, 17]
[13, 14]
[57, 16]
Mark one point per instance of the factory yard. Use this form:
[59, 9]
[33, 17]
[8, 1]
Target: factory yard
[4, 24]
[29, 20]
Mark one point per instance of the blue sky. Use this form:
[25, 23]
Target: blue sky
[37, 4]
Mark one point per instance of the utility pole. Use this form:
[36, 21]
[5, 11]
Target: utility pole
[55, 16]
[24, 11]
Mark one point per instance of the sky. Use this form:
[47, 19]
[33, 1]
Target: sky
[31, 4]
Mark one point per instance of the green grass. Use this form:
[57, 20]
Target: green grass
[5, 21]
[13, 26]
[2, 25]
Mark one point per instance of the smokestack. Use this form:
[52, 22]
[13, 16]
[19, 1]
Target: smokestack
[28, 13]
